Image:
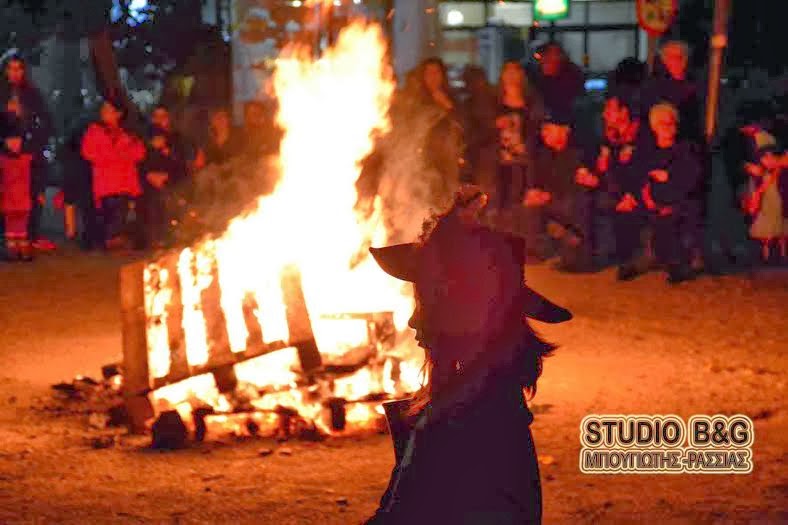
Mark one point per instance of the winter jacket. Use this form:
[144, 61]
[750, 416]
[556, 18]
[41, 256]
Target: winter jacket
[114, 155]
[36, 119]
[15, 180]
[684, 172]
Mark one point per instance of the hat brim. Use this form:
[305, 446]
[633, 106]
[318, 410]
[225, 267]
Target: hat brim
[402, 262]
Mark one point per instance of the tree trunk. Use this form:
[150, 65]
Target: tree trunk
[108, 82]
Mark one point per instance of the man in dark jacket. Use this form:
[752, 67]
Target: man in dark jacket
[559, 82]
[21, 98]
[554, 203]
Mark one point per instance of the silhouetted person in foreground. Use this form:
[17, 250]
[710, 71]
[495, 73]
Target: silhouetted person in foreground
[469, 456]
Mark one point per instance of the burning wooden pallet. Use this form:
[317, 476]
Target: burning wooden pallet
[156, 349]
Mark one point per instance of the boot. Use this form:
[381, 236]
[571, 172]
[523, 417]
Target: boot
[628, 272]
[25, 251]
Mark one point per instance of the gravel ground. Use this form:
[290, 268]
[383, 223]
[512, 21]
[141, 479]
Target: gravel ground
[710, 346]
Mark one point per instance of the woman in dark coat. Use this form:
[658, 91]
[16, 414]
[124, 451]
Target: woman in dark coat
[470, 456]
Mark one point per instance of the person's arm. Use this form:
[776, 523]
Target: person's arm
[95, 149]
[133, 148]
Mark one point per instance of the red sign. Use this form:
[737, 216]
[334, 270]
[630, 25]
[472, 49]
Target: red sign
[656, 16]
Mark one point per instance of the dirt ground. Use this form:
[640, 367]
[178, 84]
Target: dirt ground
[716, 345]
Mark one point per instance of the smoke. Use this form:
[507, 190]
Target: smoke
[414, 171]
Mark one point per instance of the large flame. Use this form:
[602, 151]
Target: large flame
[331, 109]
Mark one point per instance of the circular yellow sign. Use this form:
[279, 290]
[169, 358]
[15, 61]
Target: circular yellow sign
[656, 16]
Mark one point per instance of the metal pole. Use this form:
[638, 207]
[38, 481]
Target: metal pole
[653, 40]
[719, 40]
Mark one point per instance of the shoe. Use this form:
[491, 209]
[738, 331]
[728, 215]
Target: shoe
[679, 274]
[627, 272]
[25, 252]
[44, 245]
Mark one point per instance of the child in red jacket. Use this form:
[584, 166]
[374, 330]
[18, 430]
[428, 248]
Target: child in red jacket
[15, 202]
[114, 154]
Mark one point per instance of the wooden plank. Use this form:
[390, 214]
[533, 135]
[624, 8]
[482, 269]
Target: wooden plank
[298, 322]
[215, 323]
[136, 381]
[179, 364]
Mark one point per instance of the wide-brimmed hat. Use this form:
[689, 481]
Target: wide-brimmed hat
[473, 267]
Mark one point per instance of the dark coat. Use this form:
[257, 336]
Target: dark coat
[684, 95]
[36, 118]
[684, 172]
[478, 466]
[554, 171]
[561, 92]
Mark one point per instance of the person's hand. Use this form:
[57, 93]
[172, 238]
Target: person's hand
[585, 178]
[659, 175]
[625, 155]
[199, 160]
[41, 199]
[158, 142]
[664, 211]
[533, 197]
[753, 169]
[14, 107]
[443, 99]
[603, 160]
[627, 203]
[648, 200]
[546, 197]
[157, 179]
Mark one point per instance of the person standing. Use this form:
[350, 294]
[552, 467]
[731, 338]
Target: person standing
[468, 455]
[15, 183]
[559, 82]
[670, 83]
[161, 171]
[114, 154]
[481, 136]
[517, 121]
[19, 97]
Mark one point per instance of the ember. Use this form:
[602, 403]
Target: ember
[282, 326]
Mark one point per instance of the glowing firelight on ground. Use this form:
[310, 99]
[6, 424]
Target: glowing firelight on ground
[330, 108]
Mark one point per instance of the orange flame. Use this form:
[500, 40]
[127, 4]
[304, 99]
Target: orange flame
[331, 109]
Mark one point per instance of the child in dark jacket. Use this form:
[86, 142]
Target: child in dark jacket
[673, 172]
[15, 192]
[161, 171]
